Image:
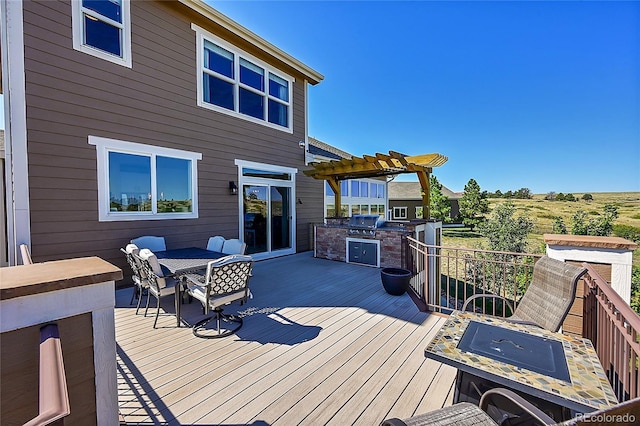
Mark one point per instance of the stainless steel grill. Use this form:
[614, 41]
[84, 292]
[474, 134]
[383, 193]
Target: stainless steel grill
[365, 224]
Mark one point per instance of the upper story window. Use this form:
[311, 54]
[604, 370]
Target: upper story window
[144, 182]
[344, 188]
[377, 190]
[235, 83]
[102, 28]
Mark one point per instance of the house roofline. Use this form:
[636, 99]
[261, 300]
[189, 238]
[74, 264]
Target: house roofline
[312, 76]
[329, 148]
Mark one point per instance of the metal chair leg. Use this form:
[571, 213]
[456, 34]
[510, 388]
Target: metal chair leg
[157, 312]
[139, 300]
[147, 307]
[200, 328]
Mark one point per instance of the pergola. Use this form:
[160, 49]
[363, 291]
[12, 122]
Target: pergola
[369, 166]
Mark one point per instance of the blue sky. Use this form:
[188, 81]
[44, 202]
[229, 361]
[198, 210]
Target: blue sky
[544, 95]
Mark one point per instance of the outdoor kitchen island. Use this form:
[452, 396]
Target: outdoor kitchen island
[366, 239]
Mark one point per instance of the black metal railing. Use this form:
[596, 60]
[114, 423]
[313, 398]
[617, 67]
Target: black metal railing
[444, 277]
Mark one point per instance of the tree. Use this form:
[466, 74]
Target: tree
[558, 226]
[523, 193]
[560, 197]
[508, 194]
[603, 225]
[587, 197]
[473, 204]
[600, 226]
[551, 196]
[635, 288]
[506, 232]
[497, 194]
[569, 197]
[578, 223]
[438, 203]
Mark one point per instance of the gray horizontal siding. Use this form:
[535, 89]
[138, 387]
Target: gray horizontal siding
[71, 95]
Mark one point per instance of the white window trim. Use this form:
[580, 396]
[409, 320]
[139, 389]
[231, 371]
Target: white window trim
[401, 213]
[105, 145]
[78, 32]
[201, 35]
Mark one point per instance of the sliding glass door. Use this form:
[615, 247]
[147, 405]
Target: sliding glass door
[267, 222]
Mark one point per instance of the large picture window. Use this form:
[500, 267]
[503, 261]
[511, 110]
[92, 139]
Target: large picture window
[102, 28]
[233, 82]
[143, 182]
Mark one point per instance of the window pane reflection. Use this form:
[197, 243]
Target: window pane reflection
[173, 182]
[129, 182]
[102, 36]
[111, 9]
[218, 92]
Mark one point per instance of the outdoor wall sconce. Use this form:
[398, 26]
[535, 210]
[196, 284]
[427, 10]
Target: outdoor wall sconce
[233, 188]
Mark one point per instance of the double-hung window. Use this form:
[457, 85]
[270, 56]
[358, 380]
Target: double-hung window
[144, 182]
[102, 28]
[233, 82]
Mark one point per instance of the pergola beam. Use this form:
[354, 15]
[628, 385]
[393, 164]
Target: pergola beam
[377, 165]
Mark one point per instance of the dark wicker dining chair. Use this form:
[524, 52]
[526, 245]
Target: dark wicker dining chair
[549, 296]
[139, 279]
[159, 285]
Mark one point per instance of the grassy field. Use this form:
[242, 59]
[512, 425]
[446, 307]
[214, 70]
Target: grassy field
[543, 213]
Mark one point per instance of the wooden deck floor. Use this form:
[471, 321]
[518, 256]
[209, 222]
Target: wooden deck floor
[322, 343]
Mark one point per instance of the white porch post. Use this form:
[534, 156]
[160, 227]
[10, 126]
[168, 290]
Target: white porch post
[613, 251]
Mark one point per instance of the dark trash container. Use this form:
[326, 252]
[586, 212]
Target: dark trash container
[395, 280]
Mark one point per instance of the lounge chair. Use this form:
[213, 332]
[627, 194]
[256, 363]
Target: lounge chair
[491, 413]
[548, 298]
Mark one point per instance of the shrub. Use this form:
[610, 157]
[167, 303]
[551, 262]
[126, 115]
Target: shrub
[558, 226]
[505, 233]
[635, 289]
[600, 226]
[627, 231]
[587, 197]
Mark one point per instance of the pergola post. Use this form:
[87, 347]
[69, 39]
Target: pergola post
[335, 186]
[423, 177]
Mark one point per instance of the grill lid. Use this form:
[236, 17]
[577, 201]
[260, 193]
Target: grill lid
[366, 221]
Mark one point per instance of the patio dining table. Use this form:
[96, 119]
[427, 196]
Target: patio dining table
[183, 261]
[561, 374]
